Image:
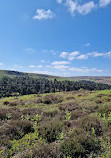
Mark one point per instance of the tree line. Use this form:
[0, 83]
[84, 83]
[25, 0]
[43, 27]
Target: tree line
[29, 85]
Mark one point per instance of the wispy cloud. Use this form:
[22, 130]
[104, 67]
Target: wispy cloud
[69, 56]
[59, 1]
[99, 54]
[64, 68]
[87, 44]
[75, 7]
[81, 57]
[84, 8]
[60, 63]
[72, 55]
[53, 52]
[1, 64]
[42, 61]
[77, 55]
[104, 3]
[35, 66]
[85, 70]
[43, 14]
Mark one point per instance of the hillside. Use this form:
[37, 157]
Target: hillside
[61, 125]
[98, 79]
[23, 85]
[12, 74]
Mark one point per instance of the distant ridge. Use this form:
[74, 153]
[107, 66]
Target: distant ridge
[12, 74]
[98, 79]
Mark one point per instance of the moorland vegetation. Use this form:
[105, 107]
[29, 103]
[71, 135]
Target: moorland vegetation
[74, 124]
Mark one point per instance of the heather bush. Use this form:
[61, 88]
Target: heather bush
[16, 129]
[42, 151]
[80, 144]
[50, 113]
[50, 130]
[49, 99]
[104, 109]
[78, 113]
[71, 106]
[91, 121]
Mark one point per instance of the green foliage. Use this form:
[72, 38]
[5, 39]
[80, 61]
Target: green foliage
[68, 115]
[8, 116]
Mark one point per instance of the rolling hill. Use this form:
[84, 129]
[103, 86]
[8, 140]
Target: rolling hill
[97, 79]
[12, 74]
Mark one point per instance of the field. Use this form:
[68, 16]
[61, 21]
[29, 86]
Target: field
[73, 124]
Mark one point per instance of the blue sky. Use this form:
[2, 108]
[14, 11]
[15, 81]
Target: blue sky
[56, 37]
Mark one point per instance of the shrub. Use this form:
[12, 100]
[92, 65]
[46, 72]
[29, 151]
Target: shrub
[14, 112]
[71, 147]
[50, 130]
[50, 113]
[77, 114]
[49, 99]
[91, 121]
[42, 151]
[71, 106]
[80, 144]
[31, 112]
[105, 109]
[16, 129]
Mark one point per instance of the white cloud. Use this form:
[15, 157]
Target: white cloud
[72, 5]
[61, 67]
[42, 14]
[69, 56]
[75, 7]
[32, 66]
[1, 64]
[86, 8]
[60, 63]
[59, 1]
[81, 57]
[104, 3]
[99, 54]
[72, 55]
[64, 54]
[85, 70]
[35, 66]
[42, 61]
[76, 55]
